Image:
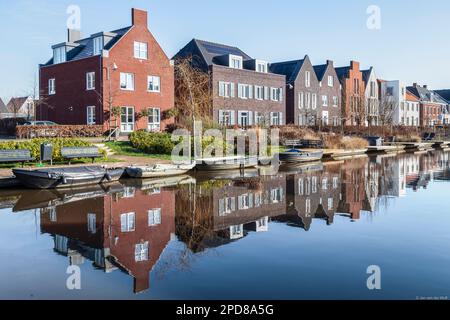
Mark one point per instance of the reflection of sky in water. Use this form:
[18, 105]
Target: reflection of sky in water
[238, 239]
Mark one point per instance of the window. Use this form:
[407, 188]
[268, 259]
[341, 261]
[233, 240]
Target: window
[154, 84]
[154, 119]
[154, 217]
[301, 102]
[259, 93]
[330, 81]
[245, 202]
[314, 101]
[325, 101]
[236, 232]
[261, 67]
[90, 81]
[90, 112]
[325, 117]
[140, 50]
[335, 101]
[59, 55]
[245, 91]
[92, 223]
[276, 119]
[127, 81]
[226, 206]
[276, 195]
[308, 100]
[235, 62]
[301, 190]
[307, 79]
[325, 184]
[245, 118]
[276, 94]
[127, 222]
[266, 93]
[52, 86]
[308, 206]
[330, 203]
[98, 45]
[390, 91]
[226, 89]
[335, 182]
[141, 252]
[226, 117]
[372, 89]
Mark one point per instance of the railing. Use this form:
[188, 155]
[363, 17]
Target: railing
[114, 133]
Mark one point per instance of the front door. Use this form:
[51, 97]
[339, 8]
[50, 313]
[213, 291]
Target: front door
[127, 119]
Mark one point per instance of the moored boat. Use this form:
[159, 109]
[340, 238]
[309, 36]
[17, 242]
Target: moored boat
[226, 163]
[66, 177]
[299, 156]
[159, 170]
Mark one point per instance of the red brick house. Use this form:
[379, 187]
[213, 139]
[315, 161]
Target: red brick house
[123, 68]
[433, 108]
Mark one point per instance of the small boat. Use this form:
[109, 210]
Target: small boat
[66, 177]
[299, 156]
[159, 170]
[226, 163]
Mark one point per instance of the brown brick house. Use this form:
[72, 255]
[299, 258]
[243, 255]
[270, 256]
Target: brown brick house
[432, 106]
[353, 94]
[123, 68]
[302, 91]
[243, 90]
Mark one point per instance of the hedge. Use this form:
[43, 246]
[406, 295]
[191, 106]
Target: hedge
[34, 146]
[66, 131]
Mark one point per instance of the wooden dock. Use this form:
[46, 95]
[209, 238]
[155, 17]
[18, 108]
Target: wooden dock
[416, 146]
[344, 154]
[386, 149]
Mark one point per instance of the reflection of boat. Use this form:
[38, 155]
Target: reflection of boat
[66, 177]
[160, 183]
[226, 163]
[159, 170]
[299, 156]
[226, 174]
[302, 167]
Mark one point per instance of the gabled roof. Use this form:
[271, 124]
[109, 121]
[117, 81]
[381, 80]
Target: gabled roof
[445, 94]
[411, 97]
[290, 69]
[3, 108]
[426, 95]
[366, 75]
[210, 50]
[85, 47]
[16, 103]
[320, 71]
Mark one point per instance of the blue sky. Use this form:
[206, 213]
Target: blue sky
[412, 44]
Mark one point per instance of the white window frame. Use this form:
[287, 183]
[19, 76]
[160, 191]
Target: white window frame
[140, 50]
[127, 79]
[236, 62]
[324, 101]
[314, 101]
[259, 93]
[226, 89]
[307, 79]
[98, 45]
[90, 81]
[154, 217]
[301, 100]
[261, 67]
[141, 252]
[92, 223]
[330, 81]
[90, 115]
[154, 84]
[154, 119]
[59, 55]
[335, 101]
[276, 118]
[52, 86]
[128, 222]
[226, 117]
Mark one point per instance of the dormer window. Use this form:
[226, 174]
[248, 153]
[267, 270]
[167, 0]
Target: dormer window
[235, 62]
[261, 66]
[98, 45]
[59, 55]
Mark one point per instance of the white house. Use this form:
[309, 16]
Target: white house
[393, 97]
[20, 107]
[411, 115]
[371, 97]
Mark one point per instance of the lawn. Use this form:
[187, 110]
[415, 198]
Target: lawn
[124, 148]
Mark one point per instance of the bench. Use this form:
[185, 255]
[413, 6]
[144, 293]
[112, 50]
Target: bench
[80, 152]
[304, 143]
[9, 156]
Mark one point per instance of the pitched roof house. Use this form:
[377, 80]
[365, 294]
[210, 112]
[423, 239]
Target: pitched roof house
[126, 68]
[372, 107]
[244, 92]
[433, 108]
[3, 108]
[18, 107]
[302, 91]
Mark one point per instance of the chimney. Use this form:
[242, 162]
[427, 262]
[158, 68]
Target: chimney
[73, 35]
[139, 17]
[354, 65]
[330, 62]
[415, 84]
[425, 86]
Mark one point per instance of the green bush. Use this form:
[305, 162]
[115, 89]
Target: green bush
[34, 146]
[152, 143]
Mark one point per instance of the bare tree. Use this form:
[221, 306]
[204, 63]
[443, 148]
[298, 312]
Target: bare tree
[387, 109]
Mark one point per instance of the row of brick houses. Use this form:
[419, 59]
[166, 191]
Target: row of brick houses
[88, 79]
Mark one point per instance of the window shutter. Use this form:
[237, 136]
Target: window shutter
[232, 118]
[250, 91]
[250, 118]
[220, 116]
[266, 93]
[232, 90]
[281, 94]
[221, 91]
[233, 204]
[281, 118]
[239, 122]
[221, 206]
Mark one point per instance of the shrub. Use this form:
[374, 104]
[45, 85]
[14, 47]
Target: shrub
[83, 131]
[408, 138]
[347, 142]
[35, 146]
[152, 143]
[292, 132]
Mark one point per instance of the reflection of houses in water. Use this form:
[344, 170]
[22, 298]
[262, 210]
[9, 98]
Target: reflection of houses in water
[211, 215]
[312, 195]
[372, 186]
[354, 196]
[127, 230]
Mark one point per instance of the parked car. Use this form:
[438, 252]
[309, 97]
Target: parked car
[40, 123]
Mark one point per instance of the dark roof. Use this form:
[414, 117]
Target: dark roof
[342, 72]
[85, 48]
[445, 94]
[16, 103]
[366, 75]
[426, 95]
[320, 71]
[3, 108]
[289, 68]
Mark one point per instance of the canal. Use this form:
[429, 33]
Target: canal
[304, 233]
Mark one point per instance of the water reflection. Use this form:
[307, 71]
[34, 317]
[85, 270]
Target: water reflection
[126, 227]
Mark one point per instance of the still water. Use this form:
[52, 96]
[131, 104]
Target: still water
[308, 233]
